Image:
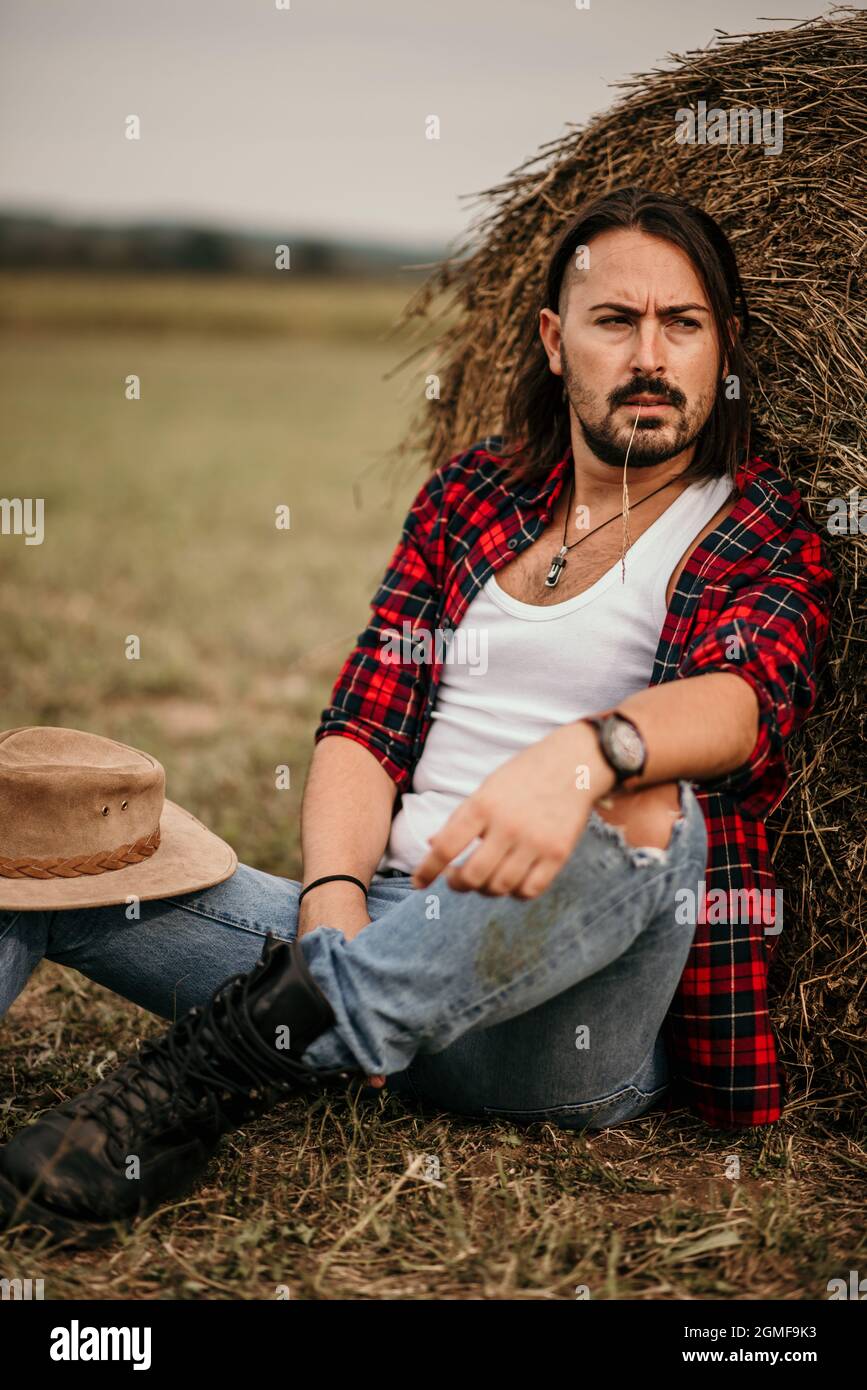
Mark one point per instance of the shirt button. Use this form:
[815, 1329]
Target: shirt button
[512, 544]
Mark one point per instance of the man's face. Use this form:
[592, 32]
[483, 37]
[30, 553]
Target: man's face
[637, 330]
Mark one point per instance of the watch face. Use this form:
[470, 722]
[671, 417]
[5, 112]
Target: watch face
[627, 749]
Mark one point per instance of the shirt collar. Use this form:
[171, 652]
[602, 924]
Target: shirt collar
[535, 491]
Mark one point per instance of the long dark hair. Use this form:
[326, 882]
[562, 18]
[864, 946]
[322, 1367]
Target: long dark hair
[536, 423]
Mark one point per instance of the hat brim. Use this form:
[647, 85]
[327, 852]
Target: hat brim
[190, 857]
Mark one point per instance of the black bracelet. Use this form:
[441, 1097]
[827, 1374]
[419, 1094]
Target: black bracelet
[333, 878]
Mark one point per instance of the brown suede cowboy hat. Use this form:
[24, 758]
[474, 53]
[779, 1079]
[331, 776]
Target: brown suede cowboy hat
[84, 822]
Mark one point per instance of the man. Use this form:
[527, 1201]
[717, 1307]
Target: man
[590, 646]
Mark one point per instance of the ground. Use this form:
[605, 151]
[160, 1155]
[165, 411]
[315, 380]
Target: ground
[159, 520]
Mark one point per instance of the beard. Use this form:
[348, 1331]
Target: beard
[656, 439]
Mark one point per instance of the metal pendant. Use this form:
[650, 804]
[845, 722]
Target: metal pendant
[558, 564]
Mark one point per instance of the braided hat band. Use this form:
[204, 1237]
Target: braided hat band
[83, 864]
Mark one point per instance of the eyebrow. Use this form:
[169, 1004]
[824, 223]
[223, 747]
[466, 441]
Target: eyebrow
[664, 312]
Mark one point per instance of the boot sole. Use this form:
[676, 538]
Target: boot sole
[19, 1209]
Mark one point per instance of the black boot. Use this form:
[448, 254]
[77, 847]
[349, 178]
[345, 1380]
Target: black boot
[73, 1171]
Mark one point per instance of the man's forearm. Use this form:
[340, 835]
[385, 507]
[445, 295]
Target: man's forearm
[345, 822]
[698, 728]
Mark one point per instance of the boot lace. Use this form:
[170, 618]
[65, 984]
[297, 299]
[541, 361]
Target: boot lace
[208, 1059]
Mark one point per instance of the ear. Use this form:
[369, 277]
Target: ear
[550, 331]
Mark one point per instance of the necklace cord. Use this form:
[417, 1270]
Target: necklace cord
[610, 519]
[559, 560]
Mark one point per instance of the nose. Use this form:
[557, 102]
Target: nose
[648, 355]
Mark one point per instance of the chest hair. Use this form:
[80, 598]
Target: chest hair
[524, 577]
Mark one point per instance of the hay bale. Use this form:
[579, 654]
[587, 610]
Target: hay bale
[797, 223]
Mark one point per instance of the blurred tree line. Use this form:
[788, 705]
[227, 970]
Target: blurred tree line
[34, 242]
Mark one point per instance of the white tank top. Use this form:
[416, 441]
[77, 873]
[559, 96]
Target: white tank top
[515, 671]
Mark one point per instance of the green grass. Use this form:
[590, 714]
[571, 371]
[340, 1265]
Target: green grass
[280, 305]
[159, 523]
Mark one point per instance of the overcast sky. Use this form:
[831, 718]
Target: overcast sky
[312, 119]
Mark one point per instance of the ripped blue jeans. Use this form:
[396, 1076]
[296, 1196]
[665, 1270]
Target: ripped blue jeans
[548, 1009]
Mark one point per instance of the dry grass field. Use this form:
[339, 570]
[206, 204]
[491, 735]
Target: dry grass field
[160, 523]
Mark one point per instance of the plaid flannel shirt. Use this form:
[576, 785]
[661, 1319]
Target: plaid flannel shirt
[753, 599]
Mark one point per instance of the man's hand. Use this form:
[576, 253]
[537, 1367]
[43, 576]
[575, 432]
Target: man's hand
[529, 816]
[339, 905]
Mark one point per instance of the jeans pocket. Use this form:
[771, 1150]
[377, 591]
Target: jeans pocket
[624, 1104]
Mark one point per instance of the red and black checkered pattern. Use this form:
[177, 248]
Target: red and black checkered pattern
[753, 599]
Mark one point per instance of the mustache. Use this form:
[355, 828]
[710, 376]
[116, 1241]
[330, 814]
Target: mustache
[650, 386]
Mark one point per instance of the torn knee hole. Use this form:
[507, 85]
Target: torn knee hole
[645, 819]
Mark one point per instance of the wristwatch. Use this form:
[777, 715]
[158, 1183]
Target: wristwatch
[620, 744]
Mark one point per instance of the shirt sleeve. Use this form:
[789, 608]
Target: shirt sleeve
[380, 690]
[771, 632]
